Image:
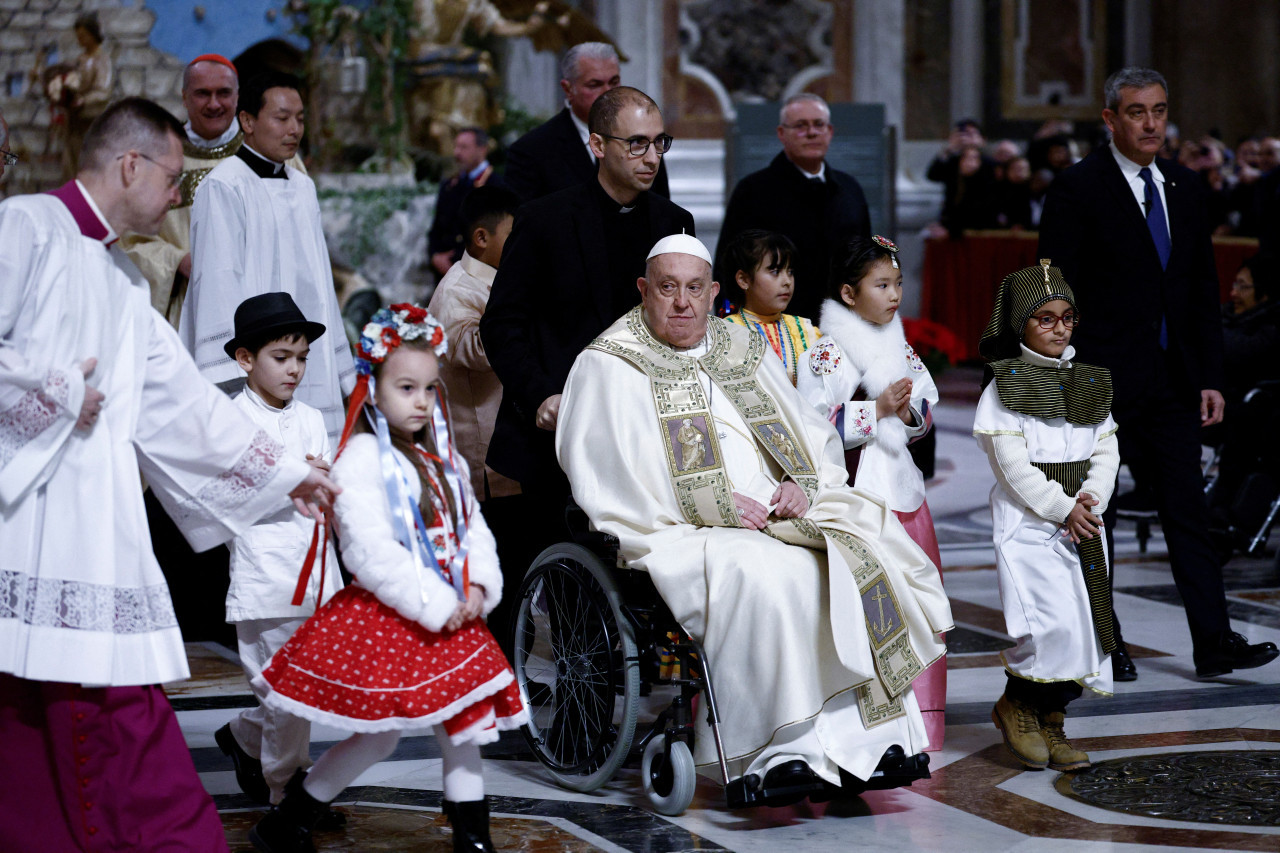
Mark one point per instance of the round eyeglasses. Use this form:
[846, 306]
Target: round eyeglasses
[9, 158]
[639, 145]
[1047, 321]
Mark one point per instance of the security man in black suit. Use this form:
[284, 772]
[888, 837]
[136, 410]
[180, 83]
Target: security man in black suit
[556, 155]
[568, 270]
[1130, 234]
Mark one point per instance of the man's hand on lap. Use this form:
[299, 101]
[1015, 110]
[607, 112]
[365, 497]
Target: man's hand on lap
[789, 500]
[753, 514]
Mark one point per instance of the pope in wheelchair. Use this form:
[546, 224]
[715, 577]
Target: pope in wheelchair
[812, 605]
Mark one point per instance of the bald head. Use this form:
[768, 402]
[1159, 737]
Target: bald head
[603, 118]
[130, 124]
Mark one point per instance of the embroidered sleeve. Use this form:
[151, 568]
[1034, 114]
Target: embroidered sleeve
[824, 357]
[913, 361]
[255, 468]
[35, 412]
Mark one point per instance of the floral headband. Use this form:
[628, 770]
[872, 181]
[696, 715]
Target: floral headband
[389, 327]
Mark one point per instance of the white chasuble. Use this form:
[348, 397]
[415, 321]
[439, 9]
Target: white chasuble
[251, 235]
[82, 598]
[792, 645]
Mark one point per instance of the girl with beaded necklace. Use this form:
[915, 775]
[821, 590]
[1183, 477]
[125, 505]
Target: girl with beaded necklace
[402, 647]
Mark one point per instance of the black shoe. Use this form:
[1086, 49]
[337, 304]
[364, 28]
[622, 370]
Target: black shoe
[331, 820]
[287, 827]
[1230, 651]
[248, 768]
[470, 821]
[1122, 668]
[895, 770]
[790, 782]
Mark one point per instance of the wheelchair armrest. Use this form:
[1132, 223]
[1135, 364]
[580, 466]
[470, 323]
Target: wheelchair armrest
[604, 544]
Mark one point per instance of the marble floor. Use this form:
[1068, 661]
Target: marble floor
[1216, 741]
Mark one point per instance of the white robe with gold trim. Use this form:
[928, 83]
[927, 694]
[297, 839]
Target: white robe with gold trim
[786, 640]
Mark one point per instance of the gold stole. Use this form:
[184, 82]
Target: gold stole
[704, 494]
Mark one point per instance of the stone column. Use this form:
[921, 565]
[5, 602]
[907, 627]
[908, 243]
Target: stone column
[966, 59]
[877, 56]
[637, 30]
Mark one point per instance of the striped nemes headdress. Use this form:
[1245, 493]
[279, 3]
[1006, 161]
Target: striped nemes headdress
[1019, 295]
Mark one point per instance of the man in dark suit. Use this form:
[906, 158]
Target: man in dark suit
[1130, 234]
[799, 195]
[445, 240]
[570, 269]
[556, 155]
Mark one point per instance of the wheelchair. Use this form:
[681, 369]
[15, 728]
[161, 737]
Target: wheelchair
[1244, 488]
[592, 638]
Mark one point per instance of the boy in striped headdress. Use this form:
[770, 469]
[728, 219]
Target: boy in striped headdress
[1045, 424]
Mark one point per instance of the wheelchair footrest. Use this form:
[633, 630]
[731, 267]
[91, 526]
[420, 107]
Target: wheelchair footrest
[748, 791]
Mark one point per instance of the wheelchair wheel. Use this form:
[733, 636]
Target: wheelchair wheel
[669, 777]
[577, 667]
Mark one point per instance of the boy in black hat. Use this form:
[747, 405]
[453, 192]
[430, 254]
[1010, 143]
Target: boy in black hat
[271, 342]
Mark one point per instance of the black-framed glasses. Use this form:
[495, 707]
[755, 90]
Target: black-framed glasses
[10, 159]
[1069, 320]
[174, 177]
[639, 145]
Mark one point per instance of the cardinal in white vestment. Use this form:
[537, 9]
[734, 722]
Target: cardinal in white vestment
[255, 228]
[94, 389]
[814, 607]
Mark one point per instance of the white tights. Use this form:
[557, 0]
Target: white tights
[343, 762]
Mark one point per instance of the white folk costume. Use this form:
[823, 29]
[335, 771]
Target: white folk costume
[376, 658]
[252, 234]
[841, 376]
[813, 629]
[159, 256]
[1046, 427]
[82, 599]
[264, 573]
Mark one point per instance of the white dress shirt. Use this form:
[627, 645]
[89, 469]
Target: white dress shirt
[1130, 171]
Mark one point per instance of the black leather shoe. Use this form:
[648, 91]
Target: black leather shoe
[287, 827]
[248, 768]
[470, 822]
[331, 819]
[789, 782]
[1230, 651]
[1122, 668]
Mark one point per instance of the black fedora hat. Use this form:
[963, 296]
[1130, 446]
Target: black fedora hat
[268, 316]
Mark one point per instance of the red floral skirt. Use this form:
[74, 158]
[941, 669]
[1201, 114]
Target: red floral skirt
[359, 665]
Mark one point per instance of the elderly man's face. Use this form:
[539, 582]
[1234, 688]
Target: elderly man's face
[467, 153]
[151, 186]
[210, 98]
[594, 77]
[676, 294]
[1139, 121]
[806, 134]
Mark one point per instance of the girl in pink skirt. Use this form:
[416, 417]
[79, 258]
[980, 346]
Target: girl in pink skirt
[869, 381]
[404, 646]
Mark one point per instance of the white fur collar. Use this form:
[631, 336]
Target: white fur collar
[878, 352]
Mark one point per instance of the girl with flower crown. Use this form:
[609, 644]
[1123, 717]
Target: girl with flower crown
[869, 381]
[402, 647]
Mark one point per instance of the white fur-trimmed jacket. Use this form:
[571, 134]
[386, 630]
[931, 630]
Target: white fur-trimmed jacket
[856, 355]
[380, 563]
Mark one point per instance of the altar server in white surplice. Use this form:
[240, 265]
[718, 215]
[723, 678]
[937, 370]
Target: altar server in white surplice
[815, 608]
[95, 388]
[255, 228]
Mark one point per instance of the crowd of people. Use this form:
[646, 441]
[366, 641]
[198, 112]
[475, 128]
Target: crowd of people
[1002, 184]
[756, 466]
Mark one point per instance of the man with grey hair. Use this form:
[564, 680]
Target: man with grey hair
[97, 392]
[800, 195]
[684, 438]
[557, 154]
[1130, 233]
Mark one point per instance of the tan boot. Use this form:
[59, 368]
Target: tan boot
[1062, 755]
[1020, 726]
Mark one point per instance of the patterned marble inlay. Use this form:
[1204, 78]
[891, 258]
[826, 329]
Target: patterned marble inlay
[1227, 787]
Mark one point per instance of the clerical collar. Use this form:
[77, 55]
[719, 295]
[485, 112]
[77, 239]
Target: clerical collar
[609, 205]
[85, 211]
[261, 166]
[200, 142]
[820, 176]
